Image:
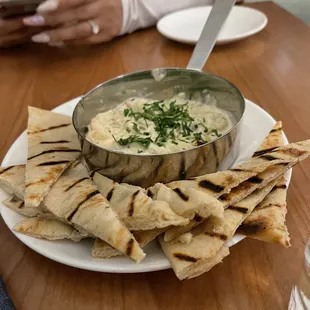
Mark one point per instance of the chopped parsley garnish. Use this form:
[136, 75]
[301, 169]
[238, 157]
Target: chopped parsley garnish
[170, 121]
[135, 127]
[198, 140]
[135, 139]
[216, 132]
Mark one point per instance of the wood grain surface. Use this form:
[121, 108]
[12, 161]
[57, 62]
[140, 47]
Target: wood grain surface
[271, 68]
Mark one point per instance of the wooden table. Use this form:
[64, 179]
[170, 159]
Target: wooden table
[271, 68]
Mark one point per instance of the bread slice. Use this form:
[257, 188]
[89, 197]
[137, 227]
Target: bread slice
[187, 202]
[101, 249]
[75, 198]
[47, 229]
[219, 183]
[270, 165]
[52, 145]
[19, 207]
[135, 208]
[267, 221]
[272, 141]
[198, 261]
[209, 238]
[12, 180]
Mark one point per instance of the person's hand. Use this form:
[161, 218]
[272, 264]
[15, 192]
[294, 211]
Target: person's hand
[77, 21]
[13, 32]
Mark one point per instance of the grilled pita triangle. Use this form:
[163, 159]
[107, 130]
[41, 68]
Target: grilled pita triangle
[272, 141]
[267, 221]
[47, 229]
[236, 194]
[52, 145]
[208, 239]
[187, 202]
[12, 180]
[268, 166]
[187, 266]
[135, 208]
[219, 183]
[19, 207]
[101, 249]
[74, 198]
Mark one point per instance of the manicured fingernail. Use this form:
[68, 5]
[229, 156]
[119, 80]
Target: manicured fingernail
[48, 6]
[41, 38]
[36, 20]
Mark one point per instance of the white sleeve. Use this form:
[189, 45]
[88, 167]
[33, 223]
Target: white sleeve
[143, 13]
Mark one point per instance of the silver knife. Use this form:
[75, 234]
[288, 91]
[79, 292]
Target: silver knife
[212, 27]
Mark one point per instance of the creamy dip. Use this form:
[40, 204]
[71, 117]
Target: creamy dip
[144, 126]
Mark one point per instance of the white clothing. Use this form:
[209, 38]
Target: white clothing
[144, 13]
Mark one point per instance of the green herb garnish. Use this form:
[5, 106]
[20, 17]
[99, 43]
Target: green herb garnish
[214, 131]
[135, 127]
[198, 139]
[169, 120]
[135, 139]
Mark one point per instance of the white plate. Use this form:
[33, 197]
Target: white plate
[256, 124]
[186, 26]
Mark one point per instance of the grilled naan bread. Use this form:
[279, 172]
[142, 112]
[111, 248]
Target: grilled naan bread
[187, 202]
[101, 249]
[19, 207]
[74, 198]
[236, 194]
[219, 183]
[206, 245]
[47, 229]
[135, 208]
[230, 186]
[52, 145]
[267, 221]
[197, 260]
[12, 180]
[272, 141]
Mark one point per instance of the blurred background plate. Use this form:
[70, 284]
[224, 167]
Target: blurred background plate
[185, 26]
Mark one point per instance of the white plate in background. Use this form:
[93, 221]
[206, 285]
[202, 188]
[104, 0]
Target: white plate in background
[255, 126]
[185, 26]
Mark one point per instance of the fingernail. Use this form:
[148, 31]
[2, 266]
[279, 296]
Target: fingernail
[48, 6]
[41, 38]
[36, 20]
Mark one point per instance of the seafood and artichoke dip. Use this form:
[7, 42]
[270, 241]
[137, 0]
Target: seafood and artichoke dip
[144, 126]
